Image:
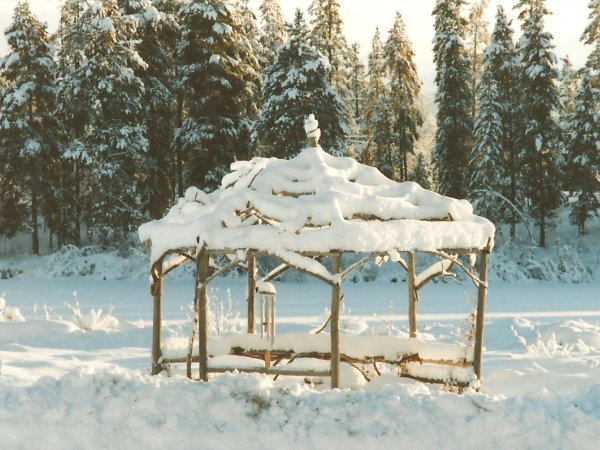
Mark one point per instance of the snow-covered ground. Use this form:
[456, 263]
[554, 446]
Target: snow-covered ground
[79, 378]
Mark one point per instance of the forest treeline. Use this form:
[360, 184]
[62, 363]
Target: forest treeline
[104, 123]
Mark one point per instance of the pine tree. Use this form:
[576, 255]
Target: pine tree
[219, 76]
[376, 111]
[169, 35]
[357, 82]
[297, 85]
[453, 98]
[273, 33]
[28, 132]
[591, 36]
[487, 166]
[477, 40]
[420, 173]
[404, 90]
[101, 100]
[584, 154]
[494, 160]
[539, 137]
[156, 183]
[327, 36]
[568, 85]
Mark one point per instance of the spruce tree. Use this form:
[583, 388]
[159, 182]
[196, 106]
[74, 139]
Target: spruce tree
[584, 154]
[155, 181]
[421, 173]
[219, 76]
[477, 40]
[357, 81]
[29, 133]
[273, 33]
[298, 85]
[539, 136]
[453, 98]
[404, 90]
[327, 36]
[101, 100]
[591, 36]
[376, 112]
[495, 160]
[568, 85]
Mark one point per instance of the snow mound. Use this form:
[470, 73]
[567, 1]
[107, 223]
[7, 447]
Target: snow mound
[77, 410]
[316, 202]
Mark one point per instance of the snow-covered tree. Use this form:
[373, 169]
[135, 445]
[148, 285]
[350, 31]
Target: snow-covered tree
[404, 89]
[273, 32]
[584, 154]
[357, 82]
[155, 180]
[297, 85]
[477, 40]
[219, 77]
[421, 173]
[29, 134]
[591, 36]
[100, 99]
[453, 98]
[568, 85]
[539, 137]
[494, 160]
[327, 36]
[375, 103]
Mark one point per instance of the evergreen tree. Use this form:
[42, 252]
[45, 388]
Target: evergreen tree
[297, 85]
[420, 173]
[404, 90]
[453, 98]
[584, 154]
[591, 36]
[219, 76]
[101, 99]
[273, 33]
[28, 131]
[495, 161]
[376, 111]
[477, 40]
[357, 82]
[155, 180]
[568, 85]
[539, 138]
[327, 36]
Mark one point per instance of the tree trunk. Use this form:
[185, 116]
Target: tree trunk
[35, 239]
[543, 229]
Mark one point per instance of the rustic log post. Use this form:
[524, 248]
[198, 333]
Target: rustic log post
[157, 301]
[336, 298]
[202, 302]
[412, 296]
[251, 293]
[481, 299]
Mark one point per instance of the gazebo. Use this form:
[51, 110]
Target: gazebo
[308, 212]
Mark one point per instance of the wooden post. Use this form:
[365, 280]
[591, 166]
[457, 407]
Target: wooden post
[157, 300]
[481, 298]
[336, 298]
[202, 302]
[251, 293]
[412, 296]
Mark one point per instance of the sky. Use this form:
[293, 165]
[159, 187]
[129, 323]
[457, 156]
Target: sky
[361, 17]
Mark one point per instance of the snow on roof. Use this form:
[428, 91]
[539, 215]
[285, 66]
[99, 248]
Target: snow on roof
[320, 203]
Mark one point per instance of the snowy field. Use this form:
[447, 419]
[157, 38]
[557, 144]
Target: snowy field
[80, 388]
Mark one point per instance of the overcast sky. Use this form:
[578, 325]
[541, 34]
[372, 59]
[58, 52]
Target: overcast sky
[362, 16]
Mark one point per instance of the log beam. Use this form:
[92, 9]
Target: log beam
[202, 302]
[412, 296]
[157, 302]
[479, 323]
[336, 299]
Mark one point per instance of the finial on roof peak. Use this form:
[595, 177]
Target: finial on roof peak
[313, 133]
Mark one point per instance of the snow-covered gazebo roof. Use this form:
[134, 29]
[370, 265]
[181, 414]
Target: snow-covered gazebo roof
[316, 203]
